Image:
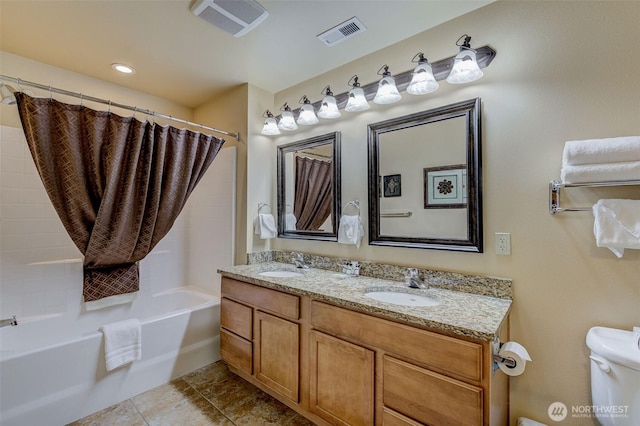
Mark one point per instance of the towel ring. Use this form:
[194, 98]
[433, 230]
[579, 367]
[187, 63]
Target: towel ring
[354, 203]
[261, 205]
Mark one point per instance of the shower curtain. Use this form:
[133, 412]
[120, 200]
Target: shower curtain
[117, 184]
[313, 193]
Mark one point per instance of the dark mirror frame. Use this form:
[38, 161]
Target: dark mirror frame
[333, 138]
[470, 110]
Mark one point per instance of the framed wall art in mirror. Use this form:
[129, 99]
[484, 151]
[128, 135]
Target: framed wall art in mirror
[438, 154]
[308, 180]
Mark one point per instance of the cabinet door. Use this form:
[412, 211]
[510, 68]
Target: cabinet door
[277, 353]
[342, 380]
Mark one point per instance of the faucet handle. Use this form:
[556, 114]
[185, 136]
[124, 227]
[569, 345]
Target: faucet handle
[412, 272]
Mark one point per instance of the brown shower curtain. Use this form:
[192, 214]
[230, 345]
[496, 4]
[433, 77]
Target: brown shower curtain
[313, 193]
[117, 184]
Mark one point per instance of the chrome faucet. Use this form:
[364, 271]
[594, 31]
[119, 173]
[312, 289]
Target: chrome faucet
[412, 279]
[298, 260]
[8, 321]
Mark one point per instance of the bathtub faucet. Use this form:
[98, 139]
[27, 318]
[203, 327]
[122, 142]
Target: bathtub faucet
[8, 321]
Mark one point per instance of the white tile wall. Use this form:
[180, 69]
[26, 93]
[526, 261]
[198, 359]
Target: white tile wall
[40, 267]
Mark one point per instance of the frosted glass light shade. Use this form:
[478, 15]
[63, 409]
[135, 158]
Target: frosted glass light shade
[387, 91]
[287, 122]
[423, 81]
[307, 115]
[329, 108]
[357, 101]
[465, 68]
[270, 127]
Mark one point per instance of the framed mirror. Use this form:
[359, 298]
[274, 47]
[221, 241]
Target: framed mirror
[425, 179]
[309, 188]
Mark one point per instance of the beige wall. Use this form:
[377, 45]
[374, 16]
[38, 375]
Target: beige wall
[564, 71]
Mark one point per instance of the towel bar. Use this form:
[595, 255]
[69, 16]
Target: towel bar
[396, 214]
[555, 186]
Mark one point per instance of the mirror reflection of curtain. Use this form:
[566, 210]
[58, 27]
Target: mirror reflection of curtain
[313, 193]
[117, 184]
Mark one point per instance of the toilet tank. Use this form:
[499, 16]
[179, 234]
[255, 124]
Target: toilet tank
[615, 376]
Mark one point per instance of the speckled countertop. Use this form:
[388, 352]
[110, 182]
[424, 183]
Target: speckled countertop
[460, 313]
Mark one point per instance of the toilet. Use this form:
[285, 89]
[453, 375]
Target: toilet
[615, 376]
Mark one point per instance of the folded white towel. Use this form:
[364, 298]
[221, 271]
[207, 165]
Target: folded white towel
[290, 221]
[265, 226]
[350, 230]
[605, 172]
[617, 225]
[597, 151]
[122, 342]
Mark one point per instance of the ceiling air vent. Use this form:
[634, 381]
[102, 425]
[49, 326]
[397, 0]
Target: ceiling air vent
[341, 32]
[236, 17]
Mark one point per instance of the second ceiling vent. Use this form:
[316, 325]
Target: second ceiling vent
[342, 32]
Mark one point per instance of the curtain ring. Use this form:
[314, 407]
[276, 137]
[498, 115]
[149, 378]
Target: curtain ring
[20, 85]
[50, 94]
[81, 100]
[109, 111]
[135, 109]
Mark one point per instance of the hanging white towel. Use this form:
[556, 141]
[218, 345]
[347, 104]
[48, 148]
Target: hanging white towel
[617, 225]
[265, 226]
[605, 172]
[122, 342]
[290, 221]
[598, 151]
[350, 230]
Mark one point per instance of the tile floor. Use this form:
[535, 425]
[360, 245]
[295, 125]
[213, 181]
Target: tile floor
[211, 395]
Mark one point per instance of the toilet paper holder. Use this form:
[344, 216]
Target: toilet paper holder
[498, 359]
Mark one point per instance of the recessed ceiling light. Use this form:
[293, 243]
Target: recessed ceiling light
[125, 69]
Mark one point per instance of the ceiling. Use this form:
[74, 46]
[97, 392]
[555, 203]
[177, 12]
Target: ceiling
[181, 57]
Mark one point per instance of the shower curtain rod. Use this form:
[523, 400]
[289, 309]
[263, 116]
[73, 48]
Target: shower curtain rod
[80, 96]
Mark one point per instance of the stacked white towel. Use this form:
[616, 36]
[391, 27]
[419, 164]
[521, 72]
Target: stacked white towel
[290, 221]
[601, 160]
[122, 342]
[265, 226]
[617, 225]
[350, 230]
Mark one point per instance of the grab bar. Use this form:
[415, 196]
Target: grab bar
[396, 214]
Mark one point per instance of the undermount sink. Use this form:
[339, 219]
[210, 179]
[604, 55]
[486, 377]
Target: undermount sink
[402, 298]
[280, 274]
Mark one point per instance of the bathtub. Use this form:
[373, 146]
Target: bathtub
[52, 368]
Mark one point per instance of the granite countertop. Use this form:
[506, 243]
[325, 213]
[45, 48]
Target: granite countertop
[459, 313]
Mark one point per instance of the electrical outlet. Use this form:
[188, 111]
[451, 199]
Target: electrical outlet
[503, 243]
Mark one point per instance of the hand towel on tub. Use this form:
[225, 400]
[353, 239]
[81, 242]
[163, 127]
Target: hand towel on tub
[265, 226]
[617, 225]
[350, 230]
[599, 151]
[605, 172]
[122, 342]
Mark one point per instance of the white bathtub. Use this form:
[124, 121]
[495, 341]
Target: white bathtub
[52, 368]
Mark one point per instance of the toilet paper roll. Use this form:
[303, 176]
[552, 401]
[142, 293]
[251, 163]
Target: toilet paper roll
[516, 352]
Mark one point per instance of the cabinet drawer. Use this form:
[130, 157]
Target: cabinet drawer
[265, 299]
[455, 357]
[236, 351]
[429, 397]
[236, 318]
[392, 418]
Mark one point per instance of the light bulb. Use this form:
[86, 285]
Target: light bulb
[270, 127]
[387, 91]
[465, 68]
[423, 81]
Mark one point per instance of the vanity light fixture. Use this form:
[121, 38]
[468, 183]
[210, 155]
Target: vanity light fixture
[387, 91]
[465, 65]
[422, 81]
[287, 121]
[123, 68]
[357, 100]
[329, 107]
[307, 113]
[270, 127]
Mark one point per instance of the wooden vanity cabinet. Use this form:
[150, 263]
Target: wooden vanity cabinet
[336, 366]
[260, 335]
